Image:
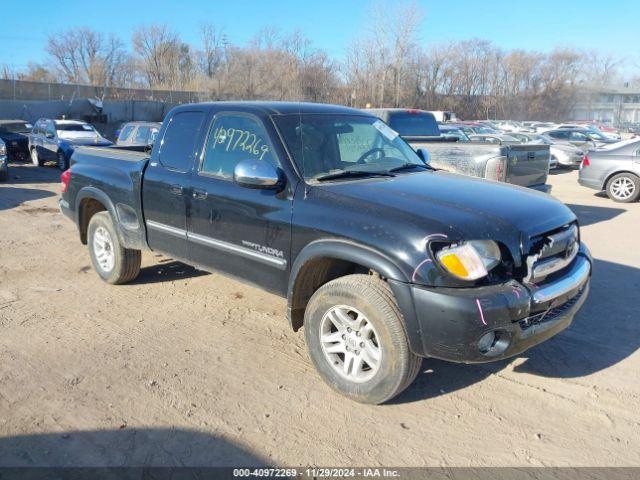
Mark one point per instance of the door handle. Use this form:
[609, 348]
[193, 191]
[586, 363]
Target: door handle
[176, 190]
[199, 194]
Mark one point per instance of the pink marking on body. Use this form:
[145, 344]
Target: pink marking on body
[480, 310]
[516, 291]
[415, 272]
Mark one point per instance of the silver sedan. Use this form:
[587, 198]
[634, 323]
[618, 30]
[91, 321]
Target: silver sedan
[614, 169]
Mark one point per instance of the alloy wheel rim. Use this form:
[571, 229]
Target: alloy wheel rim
[623, 188]
[103, 249]
[350, 343]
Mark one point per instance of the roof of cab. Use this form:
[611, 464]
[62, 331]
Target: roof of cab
[275, 108]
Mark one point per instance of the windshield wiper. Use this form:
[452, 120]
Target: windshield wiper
[407, 166]
[352, 174]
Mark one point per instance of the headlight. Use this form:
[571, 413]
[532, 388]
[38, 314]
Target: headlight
[470, 260]
[3, 148]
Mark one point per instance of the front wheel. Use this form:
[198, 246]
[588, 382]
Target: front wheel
[114, 263]
[624, 188]
[356, 339]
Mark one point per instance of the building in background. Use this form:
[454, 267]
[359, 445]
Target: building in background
[611, 105]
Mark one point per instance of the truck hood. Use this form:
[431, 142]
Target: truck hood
[465, 208]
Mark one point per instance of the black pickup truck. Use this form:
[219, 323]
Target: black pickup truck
[382, 258]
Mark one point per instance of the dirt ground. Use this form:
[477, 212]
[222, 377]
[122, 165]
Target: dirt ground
[188, 368]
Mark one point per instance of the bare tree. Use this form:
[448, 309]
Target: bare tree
[82, 55]
[165, 60]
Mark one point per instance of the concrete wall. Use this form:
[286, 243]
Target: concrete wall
[116, 111]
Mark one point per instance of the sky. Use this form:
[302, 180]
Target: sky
[606, 26]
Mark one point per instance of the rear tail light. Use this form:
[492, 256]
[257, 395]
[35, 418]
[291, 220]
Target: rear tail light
[64, 179]
[585, 161]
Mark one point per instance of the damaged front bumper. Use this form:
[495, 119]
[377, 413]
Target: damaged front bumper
[474, 325]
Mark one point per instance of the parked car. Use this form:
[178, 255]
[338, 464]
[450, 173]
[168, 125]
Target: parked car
[4, 162]
[524, 165]
[563, 155]
[453, 131]
[541, 127]
[138, 134]
[571, 137]
[614, 169]
[601, 127]
[15, 134]
[418, 262]
[471, 128]
[55, 140]
[596, 136]
[499, 138]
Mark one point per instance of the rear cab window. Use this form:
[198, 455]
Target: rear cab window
[412, 123]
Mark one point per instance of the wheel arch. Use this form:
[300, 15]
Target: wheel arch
[324, 260]
[90, 201]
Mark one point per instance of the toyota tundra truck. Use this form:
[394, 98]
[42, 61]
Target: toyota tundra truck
[383, 259]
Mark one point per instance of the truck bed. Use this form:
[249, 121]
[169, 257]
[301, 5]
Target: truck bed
[526, 165]
[118, 172]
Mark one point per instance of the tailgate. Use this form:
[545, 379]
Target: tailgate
[527, 164]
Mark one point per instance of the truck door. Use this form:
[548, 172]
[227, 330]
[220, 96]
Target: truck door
[166, 181]
[242, 231]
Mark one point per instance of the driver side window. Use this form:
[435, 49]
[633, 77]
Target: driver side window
[232, 139]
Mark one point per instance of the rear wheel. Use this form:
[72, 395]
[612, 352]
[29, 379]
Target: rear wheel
[356, 339]
[114, 263]
[624, 188]
[35, 158]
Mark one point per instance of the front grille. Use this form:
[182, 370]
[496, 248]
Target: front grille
[551, 252]
[550, 314]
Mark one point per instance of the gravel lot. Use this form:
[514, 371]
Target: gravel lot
[188, 368]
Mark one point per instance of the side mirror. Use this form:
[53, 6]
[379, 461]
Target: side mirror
[49, 135]
[423, 153]
[257, 174]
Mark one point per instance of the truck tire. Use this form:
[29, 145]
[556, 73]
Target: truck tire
[356, 339]
[623, 187]
[114, 263]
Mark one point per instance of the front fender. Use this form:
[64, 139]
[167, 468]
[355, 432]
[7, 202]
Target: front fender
[361, 255]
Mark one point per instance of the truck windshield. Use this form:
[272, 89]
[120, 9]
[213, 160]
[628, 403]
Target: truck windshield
[414, 124]
[74, 127]
[17, 127]
[324, 144]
